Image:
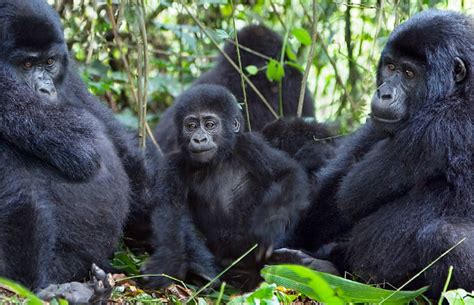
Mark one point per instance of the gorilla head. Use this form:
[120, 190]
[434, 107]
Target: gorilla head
[208, 119]
[32, 45]
[424, 62]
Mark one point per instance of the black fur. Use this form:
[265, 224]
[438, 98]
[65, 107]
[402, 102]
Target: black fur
[265, 41]
[309, 143]
[406, 192]
[68, 169]
[249, 193]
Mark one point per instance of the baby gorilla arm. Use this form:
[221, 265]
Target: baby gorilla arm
[285, 195]
[63, 136]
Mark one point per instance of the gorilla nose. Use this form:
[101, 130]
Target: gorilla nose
[44, 91]
[386, 92]
[49, 93]
[200, 140]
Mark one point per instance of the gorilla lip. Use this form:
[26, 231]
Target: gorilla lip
[382, 120]
[202, 151]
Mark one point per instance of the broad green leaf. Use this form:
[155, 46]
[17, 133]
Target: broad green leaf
[320, 285]
[275, 71]
[302, 35]
[302, 280]
[252, 70]
[32, 299]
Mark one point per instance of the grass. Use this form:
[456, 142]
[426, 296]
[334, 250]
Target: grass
[284, 284]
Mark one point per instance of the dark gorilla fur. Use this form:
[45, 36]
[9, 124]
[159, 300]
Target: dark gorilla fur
[267, 42]
[406, 192]
[309, 143]
[68, 169]
[209, 213]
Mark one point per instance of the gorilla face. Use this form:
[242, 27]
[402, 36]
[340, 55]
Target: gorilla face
[425, 60]
[401, 83]
[35, 51]
[204, 134]
[41, 71]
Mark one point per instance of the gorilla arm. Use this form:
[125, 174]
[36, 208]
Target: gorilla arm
[286, 190]
[178, 248]
[64, 138]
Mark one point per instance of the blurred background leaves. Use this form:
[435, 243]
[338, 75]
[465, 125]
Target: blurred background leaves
[127, 73]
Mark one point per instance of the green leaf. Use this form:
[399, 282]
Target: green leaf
[302, 280]
[459, 297]
[265, 294]
[275, 71]
[295, 65]
[290, 54]
[332, 289]
[252, 70]
[302, 35]
[32, 299]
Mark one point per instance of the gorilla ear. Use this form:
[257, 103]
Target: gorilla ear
[460, 71]
[236, 125]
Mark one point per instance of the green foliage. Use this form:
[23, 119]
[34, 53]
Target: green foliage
[128, 262]
[302, 35]
[332, 289]
[31, 298]
[275, 71]
[350, 37]
[459, 297]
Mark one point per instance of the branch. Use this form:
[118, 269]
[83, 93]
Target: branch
[309, 61]
[249, 82]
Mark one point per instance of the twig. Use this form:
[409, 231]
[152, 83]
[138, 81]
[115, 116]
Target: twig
[120, 45]
[242, 82]
[278, 15]
[250, 50]
[424, 269]
[309, 62]
[214, 42]
[143, 75]
[282, 64]
[223, 272]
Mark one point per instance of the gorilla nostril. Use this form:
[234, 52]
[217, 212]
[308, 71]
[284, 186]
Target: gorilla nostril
[44, 91]
[386, 96]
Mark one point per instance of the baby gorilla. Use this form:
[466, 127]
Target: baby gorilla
[223, 192]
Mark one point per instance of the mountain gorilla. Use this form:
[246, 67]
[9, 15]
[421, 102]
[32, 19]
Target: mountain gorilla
[68, 169]
[404, 183]
[223, 192]
[268, 43]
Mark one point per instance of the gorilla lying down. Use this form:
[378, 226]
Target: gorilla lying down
[223, 192]
[68, 169]
[402, 186]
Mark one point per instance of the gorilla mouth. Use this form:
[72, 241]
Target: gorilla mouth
[202, 151]
[385, 120]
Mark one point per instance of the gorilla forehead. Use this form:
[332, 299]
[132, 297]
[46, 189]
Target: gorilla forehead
[28, 24]
[210, 98]
[430, 30]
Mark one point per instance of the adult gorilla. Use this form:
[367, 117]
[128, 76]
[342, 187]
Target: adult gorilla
[64, 188]
[404, 184]
[268, 44]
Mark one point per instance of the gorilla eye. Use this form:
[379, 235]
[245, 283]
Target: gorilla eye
[409, 74]
[50, 61]
[391, 67]
[210, 125]
[191, 126]
[27, 64]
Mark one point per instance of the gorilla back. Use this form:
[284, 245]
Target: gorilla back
[64, 192]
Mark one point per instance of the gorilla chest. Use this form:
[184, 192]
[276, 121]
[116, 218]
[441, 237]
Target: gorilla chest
[219, 192]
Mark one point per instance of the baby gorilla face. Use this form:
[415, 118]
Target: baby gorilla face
[201, 131]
